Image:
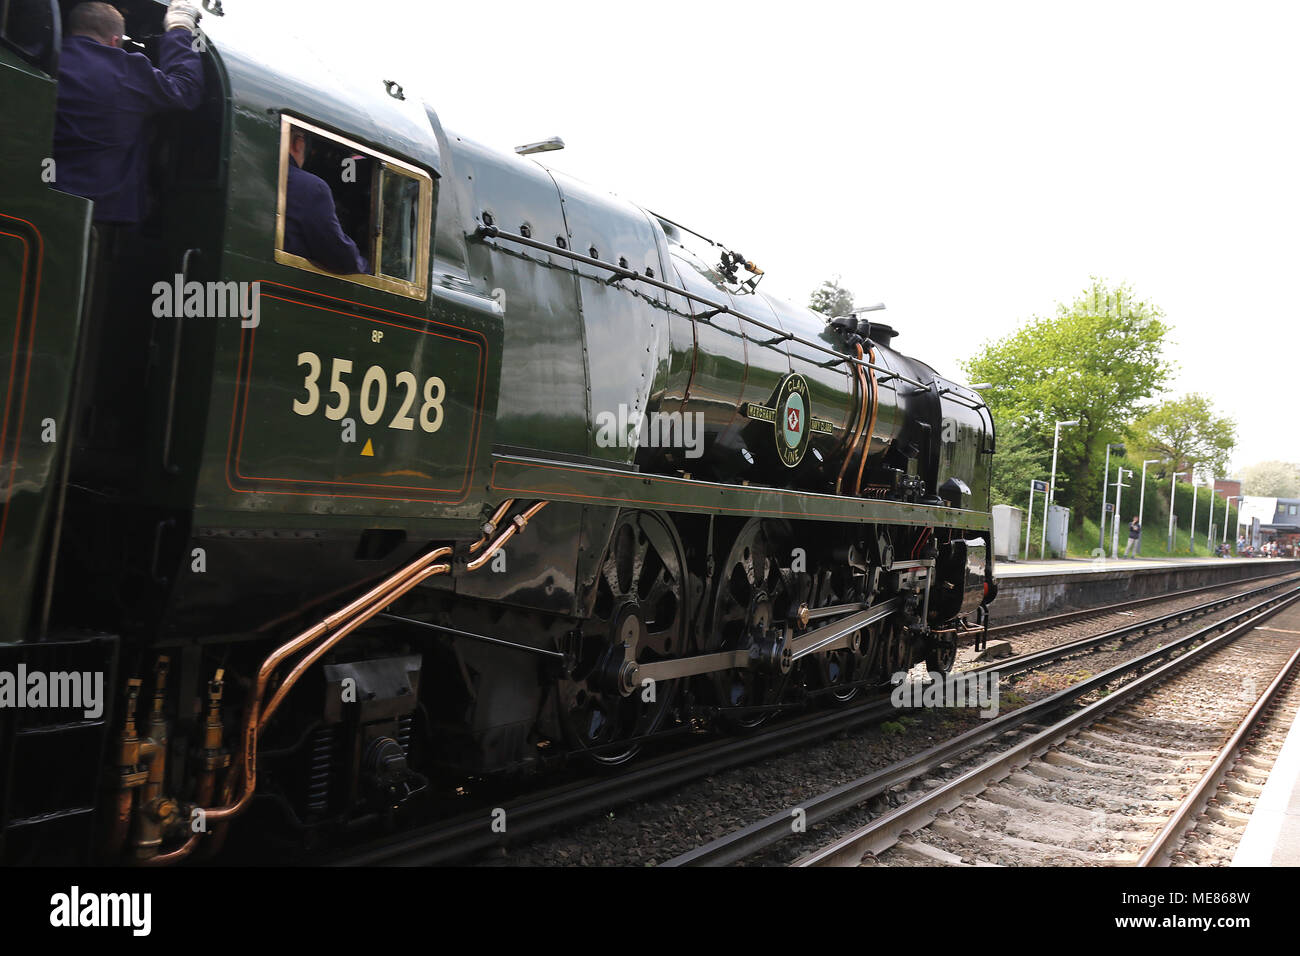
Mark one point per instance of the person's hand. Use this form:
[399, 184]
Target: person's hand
[182, 13]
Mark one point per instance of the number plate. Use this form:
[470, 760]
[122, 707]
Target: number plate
[338, 399]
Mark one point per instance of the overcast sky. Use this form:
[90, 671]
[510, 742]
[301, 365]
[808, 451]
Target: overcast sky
[968, 164]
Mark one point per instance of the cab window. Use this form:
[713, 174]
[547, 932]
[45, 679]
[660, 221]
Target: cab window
[382, 205]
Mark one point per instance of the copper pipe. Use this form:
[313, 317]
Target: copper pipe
[162, 859]
[324, 646]
[491, 526]
[517, 524]
[154, 808]
[358, 612]
[213, 732]
[862, 416]
[871, 427]
[243, 775]
[128, 761]
[374, 599]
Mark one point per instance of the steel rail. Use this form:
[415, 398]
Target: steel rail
[885, 831]
[764, 833]
[1056, 652]
[449, 840]
[1163, 847]
[471, 833]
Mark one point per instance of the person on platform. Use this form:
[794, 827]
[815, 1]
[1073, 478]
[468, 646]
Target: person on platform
[1134, 538]
[106, 98]
[311, 226]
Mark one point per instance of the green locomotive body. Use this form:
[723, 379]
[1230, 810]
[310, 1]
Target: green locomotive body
[211, 444]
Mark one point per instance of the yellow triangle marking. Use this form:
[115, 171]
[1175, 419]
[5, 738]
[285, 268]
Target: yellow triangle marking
[369, 450]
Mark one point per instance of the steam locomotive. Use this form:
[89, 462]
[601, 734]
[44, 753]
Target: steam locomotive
[554, 477]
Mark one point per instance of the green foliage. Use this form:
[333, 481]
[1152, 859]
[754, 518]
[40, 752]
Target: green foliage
[1155, 522]
[831, 299]
[1271, 479]
[1098, 360]
[1186, 432]
[1020, 458]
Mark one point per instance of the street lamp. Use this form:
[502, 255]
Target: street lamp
[1209, 528]
[1119, 486]
[1226, 505]
[1050, 497]
[1029, 515]
[1191, 532]
[1173, 489]
[1142, 498]
[1105, 490]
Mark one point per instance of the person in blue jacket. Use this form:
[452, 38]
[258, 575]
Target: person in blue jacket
[311, 223]
[107, 96]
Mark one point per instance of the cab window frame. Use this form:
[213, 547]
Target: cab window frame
[372, 244]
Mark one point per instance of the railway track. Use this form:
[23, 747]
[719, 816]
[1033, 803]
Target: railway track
[1212, 838]
[993, 735]
[1116, 782]
[523, 817]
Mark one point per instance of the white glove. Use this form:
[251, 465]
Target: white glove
[182, 13]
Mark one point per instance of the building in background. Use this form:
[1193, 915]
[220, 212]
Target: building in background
[1254, 512]
[1227, 487]
[1279, 520]
[1284, 528]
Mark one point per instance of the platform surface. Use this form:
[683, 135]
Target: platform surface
[1272, 837]
[1025, 569]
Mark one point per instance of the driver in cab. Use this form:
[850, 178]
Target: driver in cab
[311, 226]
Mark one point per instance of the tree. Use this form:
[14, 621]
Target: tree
[1020, 458]
[1187, 433]
[1271, 479]
[1098, 360]
[831, 299]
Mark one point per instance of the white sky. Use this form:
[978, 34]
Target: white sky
[969, 164]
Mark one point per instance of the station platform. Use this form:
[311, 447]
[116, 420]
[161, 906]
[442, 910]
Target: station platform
[1028, 589]
[1272, 837]
[1022, 569]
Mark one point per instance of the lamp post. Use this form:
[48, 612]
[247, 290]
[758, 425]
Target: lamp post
[1226, 505]
[1105, 490]
[1114, 522]
[1191, 532]
[1142, 497]
[1034, 485]
[1209, 530]
[1173, 490]
[1050, 497]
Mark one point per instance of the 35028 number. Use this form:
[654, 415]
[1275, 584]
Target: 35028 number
[372, 397]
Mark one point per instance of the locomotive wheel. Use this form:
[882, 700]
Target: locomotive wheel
[751, 591]
[835, 669]
[941, 656]
[639, 616]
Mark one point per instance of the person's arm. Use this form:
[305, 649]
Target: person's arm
[175, 84]
[327, 244]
